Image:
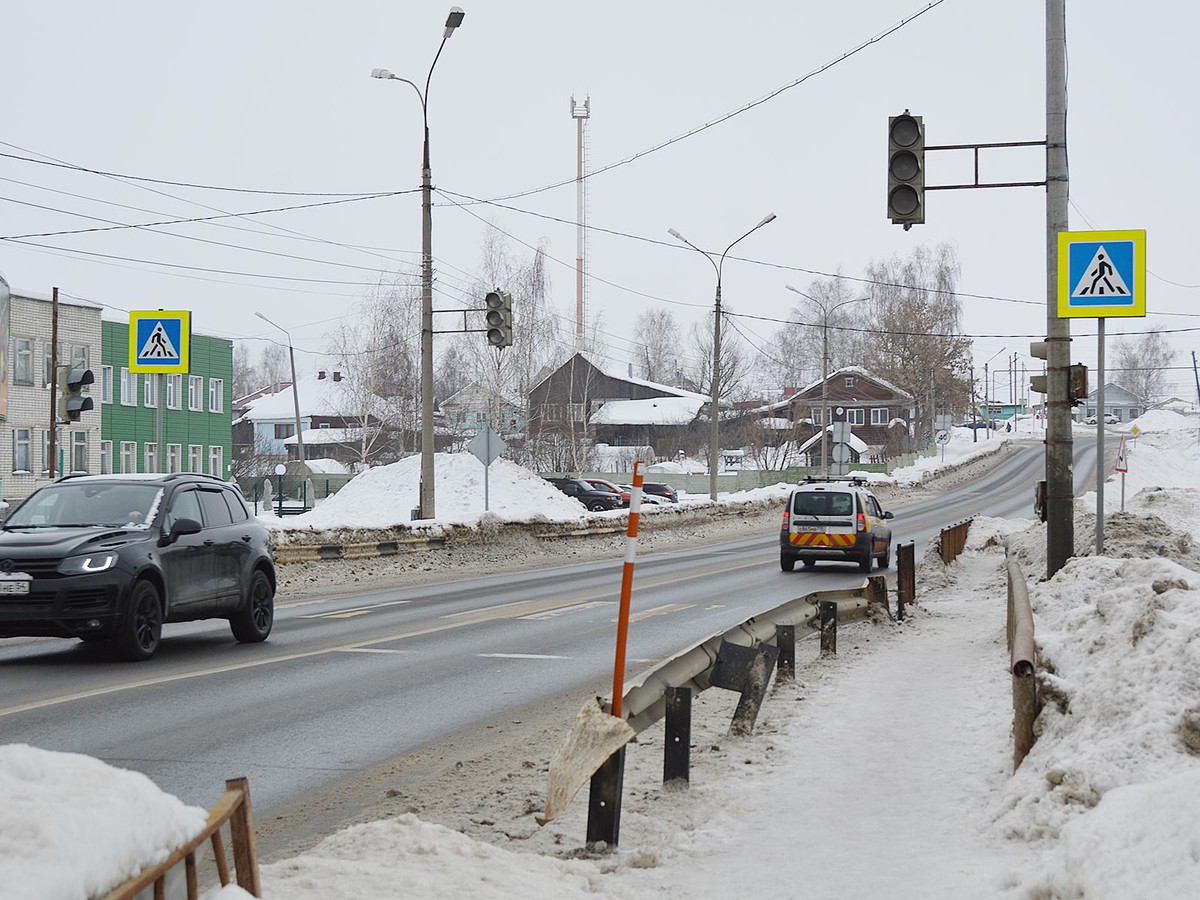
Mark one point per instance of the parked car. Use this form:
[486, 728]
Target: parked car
[834, 520]
[594, 500]
[647, 499]
[601, 485]
[659, 489]
[110, 558]
[1109, 419]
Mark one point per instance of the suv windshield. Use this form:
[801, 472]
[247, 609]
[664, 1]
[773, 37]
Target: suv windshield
[821, 503]
[111, 503]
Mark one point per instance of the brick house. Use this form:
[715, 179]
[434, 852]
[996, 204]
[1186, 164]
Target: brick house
[879, 413]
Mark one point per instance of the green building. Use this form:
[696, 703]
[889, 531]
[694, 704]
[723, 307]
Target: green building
[197, 419]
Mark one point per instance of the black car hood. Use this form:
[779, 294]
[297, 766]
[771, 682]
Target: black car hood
[65, 541]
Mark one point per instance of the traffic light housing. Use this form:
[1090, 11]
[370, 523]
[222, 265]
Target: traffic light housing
[1037, 384]
[71, 403]
[499, 319]
[906, 170]
[1077, 384]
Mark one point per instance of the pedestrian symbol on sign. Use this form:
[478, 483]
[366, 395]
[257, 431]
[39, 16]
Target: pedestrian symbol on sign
[1100, 278]
[158, 345]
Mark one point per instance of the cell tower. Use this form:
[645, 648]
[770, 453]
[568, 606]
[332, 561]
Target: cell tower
[581, 113]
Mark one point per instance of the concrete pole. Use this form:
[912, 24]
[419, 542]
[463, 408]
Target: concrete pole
[825, 396]
[427, 447]
[52, 437]
[1060, 482]
[1100, 467]
[714, 439]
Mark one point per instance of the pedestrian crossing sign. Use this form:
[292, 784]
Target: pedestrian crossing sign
[160, 341]
[1101, 274]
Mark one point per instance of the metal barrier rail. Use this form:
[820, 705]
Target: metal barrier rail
[953, 539]
[233, 807]
[645, 699]
[1023, 663]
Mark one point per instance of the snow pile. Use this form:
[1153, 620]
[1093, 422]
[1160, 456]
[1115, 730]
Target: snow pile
[73, 826]
[1115, 773]
[383, 497]
[1162, 420]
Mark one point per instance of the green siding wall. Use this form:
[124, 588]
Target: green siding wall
[210, 358]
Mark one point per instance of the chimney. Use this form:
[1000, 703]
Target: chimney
[337, 376]
[321, 375]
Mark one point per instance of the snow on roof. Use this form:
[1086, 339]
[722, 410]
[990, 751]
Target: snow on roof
[327, 467]
[655, 411]
[316, 436]
[861, 372]
[317, 396]
[615, 370]
[63, 299]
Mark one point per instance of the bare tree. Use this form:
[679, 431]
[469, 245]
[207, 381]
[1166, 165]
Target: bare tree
[1142, 365]
[274, 366]
[915, 339]
[658, 344]
[793, 357]
[245, 372]
[735, 360]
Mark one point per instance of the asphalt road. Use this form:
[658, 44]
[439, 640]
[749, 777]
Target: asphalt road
[344, 685]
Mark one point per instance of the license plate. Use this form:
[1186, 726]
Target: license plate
[808, 529]
[14, 585]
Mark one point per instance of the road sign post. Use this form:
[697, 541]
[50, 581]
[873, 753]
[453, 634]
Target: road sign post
[486, 446]
[160, 343]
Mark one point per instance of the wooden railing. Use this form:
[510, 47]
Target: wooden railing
[233, 807]
[953, 539]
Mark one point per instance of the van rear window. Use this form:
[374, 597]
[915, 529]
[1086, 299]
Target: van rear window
[821, 503]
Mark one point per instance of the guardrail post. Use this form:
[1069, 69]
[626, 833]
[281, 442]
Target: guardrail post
[677, 751]
[906, 577]
[785, 640]
[828, 627]
[877, 591]
[1023, 663]
[604, 801]
[245, 855]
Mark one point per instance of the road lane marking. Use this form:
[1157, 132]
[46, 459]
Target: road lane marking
[470, 617]
[369, 650]
[353, 610]
[552, 613]
[519, 656]
[659, 611]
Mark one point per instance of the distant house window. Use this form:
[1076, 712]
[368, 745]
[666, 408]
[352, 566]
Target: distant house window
[196, 394]
[577, 412]
[152, 457]
[128, 456]
[174, 392]
[174, 452]
[1133, 413]
[48, 362]
[195, 458]
[284, 431]
[21, 450]
[22, 361]
[849, 381]
[879, 416]
[856, 416]
[151, 395]
[816, 416]
[106, 457]
[216, 461]
[216, 395]
[79, 451]
[128, 388]
[106, 384]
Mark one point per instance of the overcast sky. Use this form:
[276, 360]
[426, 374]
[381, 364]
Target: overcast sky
[276, 96]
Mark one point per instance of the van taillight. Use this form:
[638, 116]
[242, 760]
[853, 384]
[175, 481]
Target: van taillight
[862, 522]
[787, 519]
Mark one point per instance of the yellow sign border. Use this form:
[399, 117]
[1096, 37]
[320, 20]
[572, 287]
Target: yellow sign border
[185, 341]
[1135, 310]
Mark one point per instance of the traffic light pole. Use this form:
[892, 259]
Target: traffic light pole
[1060, 482]
[52, 450]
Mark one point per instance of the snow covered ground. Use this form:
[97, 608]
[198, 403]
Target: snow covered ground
[882, 772]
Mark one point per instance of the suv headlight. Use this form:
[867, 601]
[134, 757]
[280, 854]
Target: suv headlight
[87, 565]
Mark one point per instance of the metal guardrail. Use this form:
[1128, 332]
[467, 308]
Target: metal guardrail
[1023, 663]
[644, 701]
[233, 807]
[953, 539]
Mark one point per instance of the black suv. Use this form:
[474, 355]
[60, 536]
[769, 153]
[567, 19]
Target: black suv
[660, 489]
[593, 499]
[109, 558]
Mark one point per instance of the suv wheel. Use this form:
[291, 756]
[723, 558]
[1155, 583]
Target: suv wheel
[141, 629]
[864, 564]
[252, 623]
[787, 563]
[885, 561]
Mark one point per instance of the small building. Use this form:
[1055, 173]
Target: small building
[1118, 401]
[467, 411]
[878, 411]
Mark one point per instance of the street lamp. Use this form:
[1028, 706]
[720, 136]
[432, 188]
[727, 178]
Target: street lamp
[987, 406]
[295, 390]
[826, 312]
[714, 445]
[453, 20]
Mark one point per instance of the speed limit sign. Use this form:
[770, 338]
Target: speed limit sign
[943, 437]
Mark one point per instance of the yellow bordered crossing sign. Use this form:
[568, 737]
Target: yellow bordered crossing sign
[160, 341]
[1101, 274]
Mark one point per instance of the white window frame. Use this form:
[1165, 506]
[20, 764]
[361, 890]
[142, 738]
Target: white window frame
[216, 395]
[78, 456]
[196, 393]
[174, 457]
[106, 385]
[196, 458]
[129, 382]
[151, 456]
[216, 454]
[106, 448]
[849, 381]
[174, 390]
[856, 415]
[22, 353]
[150, 391]
[128, 455]
[46, 453]
[22, 439]
[879, 416]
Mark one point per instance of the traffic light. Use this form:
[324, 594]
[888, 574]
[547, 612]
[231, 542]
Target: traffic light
[70, 403]
[499, 319]
[1037, 384]
[906, 170]
[1077, 384]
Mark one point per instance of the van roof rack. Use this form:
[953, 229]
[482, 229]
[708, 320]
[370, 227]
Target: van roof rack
[856, 480]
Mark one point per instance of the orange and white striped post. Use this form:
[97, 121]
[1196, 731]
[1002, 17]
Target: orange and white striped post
[635, 508]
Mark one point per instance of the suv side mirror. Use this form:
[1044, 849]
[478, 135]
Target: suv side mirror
[887, 515]
[178, 530]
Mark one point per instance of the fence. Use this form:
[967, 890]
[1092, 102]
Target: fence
[233, 807]
[952, 540]
[1023, 662]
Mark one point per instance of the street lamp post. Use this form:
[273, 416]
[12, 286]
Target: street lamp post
[714, 439]
[826, 312]
[453, 20]
[295, 390]
[987, 406]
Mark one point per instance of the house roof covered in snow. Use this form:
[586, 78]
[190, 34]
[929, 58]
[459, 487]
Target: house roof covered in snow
[655, 411]
[318, 397]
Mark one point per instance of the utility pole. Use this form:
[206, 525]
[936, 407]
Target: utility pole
[1060, 483]
[52, 449]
